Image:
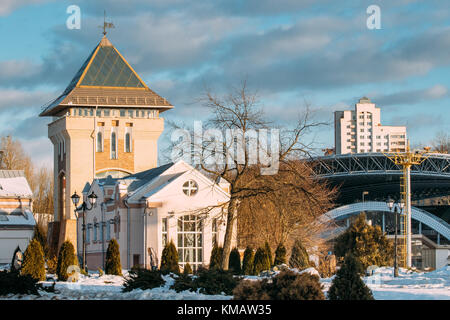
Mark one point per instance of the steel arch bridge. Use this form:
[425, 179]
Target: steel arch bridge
[435, 223]
[375, 173]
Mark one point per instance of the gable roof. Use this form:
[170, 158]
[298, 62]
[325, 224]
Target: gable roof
[14, 184]
[106, 79]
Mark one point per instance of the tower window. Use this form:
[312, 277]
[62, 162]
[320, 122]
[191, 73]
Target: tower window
[99, 142]
[127, 142]
[113, 145]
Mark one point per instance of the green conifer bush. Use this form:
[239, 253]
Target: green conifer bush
[112, 263]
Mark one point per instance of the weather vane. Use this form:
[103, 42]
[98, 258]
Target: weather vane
[106, 25]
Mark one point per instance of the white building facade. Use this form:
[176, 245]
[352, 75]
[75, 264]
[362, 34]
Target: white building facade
[16, 218]
[146, 210]
[360, 131]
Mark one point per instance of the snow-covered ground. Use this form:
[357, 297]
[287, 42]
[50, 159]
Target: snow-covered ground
[409, 285]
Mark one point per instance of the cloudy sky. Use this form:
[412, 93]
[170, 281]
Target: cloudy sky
[292, 52]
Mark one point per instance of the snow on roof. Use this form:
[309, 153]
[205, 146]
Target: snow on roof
[16, 218]
[13, 183]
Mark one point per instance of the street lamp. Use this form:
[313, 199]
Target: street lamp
[395, 205]
[84, 207]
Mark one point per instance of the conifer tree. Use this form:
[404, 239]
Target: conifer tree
[215, 262]
[169, 259]
[33, 261]
[348, 285]
[187, 269]
[280, 255]
[269, 252]
[235, 261]
[112, 263]
[367, 243]
[40, 236]
[247, 262]
[66, 258]
[299, 256]
[261, 261]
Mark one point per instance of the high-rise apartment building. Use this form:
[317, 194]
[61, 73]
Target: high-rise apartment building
[360, 131]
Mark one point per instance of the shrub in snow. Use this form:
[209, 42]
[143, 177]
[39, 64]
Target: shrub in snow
[41, 237]
[261, 261]
[280, 255]
[348, 285]
[299, 256]
[215, 262]
[66, 258]
[33, 261]
[15, 283]
[234, 264]
[112, 263]
[187, 269]
[215, 281]
[247, 262]
[366, 242]
[182, 283]
[269, 253]
[143, 279]
[51, 265]
[169, 259]
[287, 285]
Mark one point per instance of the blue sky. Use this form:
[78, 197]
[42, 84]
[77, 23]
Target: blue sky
[291, 52]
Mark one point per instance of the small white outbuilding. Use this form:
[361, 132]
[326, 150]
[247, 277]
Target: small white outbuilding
[16, 218]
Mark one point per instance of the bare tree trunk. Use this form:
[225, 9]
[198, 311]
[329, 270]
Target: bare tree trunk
[231, 217]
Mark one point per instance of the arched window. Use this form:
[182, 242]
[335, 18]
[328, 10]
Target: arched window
[127, 142]
[99, 142]
[113, 146]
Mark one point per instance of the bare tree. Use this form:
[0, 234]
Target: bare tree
[290, 212]
[441, 142]
[237, 116]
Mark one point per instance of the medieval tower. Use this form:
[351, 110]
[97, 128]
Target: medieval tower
[106, 122]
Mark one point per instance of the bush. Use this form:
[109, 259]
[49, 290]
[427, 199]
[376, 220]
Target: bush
[187, 269]
[261, 261]
[33, 261]
[280, 255]
[287, 285]
[66, 258]
[367, 243]
[215, 262]
[348, 285]
[234, 264]
[169, 259]
[182, 283]
[299, 256]
[41, 237]
[15, 283]
[112, 263]
[269, 253]
[51, 265]
[215, 281]
[143, 279]
[247, 262]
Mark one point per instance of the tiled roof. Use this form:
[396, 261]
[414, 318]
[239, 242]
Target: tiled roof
[106, 79]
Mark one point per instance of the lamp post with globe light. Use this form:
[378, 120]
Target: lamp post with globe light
[395, 205]
[92, 198]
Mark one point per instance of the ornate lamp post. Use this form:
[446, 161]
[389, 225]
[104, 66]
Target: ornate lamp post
[84, 207]
[395, 205]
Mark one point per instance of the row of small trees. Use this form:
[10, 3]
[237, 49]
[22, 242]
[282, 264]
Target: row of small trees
[33, 263]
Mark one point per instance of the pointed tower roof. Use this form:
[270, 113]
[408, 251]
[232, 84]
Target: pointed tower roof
[106, 79]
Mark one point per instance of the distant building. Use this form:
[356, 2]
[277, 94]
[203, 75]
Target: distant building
[16, 218]
[360, 131]
[146, 210]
